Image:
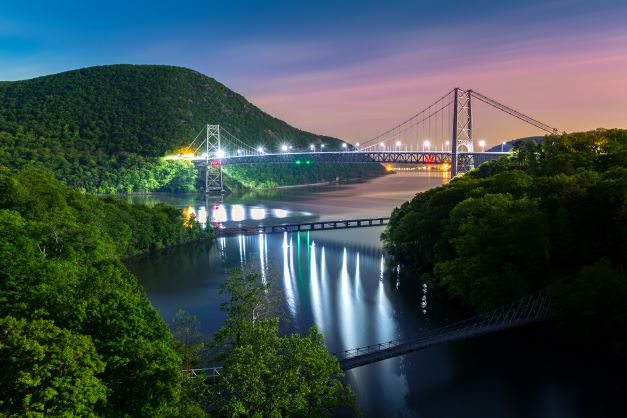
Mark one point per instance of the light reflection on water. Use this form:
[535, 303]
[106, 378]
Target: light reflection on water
[220, 214]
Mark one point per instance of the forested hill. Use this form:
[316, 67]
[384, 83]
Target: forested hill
[142, 109]
[104, 128]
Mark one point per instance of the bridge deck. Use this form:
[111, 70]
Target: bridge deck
[304, 226]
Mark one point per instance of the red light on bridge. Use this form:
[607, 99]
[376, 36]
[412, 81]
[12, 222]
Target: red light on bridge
[429, 160]
[215, 163]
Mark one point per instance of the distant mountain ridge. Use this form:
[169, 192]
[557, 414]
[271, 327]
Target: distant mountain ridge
[105, 128]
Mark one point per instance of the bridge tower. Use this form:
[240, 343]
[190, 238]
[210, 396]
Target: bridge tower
[213, 163]
[462, 132]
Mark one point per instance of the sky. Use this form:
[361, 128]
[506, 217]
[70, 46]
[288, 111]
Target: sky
[351, 69]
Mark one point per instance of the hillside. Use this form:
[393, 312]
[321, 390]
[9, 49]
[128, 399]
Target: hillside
[105, 128]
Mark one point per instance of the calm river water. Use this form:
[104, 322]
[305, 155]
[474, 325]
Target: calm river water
[342, 282]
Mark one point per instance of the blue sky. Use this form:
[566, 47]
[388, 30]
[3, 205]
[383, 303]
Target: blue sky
[347, 68]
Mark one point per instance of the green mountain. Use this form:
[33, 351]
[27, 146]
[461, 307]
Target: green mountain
[105, 128]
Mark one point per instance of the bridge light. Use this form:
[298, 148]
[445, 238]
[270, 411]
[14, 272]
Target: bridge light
[298, 162]
[398, 143]
[382, 145]
[220, 153]
[308, 162]
[426, 144]
[260, 150]
[284, 148]
[239, 151]
[312, 147]
[321, 145]
[344, 145]
[482, 145]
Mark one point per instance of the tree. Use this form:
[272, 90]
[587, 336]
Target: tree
[265, 374]
[47, 371]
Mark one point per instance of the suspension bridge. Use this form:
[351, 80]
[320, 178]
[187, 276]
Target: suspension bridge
[442, 133]
[528, 310]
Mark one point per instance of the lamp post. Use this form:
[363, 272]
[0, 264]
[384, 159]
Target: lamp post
[482, 145]
[426, 145]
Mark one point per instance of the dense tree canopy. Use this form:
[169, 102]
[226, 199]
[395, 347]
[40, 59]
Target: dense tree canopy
[554, 212]
[77, 335]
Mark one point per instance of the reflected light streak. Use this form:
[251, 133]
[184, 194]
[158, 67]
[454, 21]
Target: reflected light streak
[219, 214]
[315, 290]
[202, 216]
[287, 278]
[238, 213]
[346, 307]
[262, 241]
[357, 278]
[258, 213]
[385, 324]
[279, 213]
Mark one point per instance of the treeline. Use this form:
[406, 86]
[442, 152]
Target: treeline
[105, 129]
[77, 335]
[255, 176]
[552, 213]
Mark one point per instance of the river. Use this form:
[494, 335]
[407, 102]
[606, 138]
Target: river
[342, 282]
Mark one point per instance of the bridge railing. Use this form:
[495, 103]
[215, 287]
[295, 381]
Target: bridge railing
[205, 373]
[529, 309]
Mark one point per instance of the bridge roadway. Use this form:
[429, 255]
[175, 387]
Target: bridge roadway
[396, 157]
[304, 226]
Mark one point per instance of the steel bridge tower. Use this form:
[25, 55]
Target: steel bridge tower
[213, 168]
[462, 132]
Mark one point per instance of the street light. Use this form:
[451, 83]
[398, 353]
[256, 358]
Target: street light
[482, 145]
[312, 147]
[284, 148]
[220, 153]
[260, 150]
[447, 145]
[382, 145]
[426, 145]
[502, 145]
[321, 146]
[398, 144]
[344, 145]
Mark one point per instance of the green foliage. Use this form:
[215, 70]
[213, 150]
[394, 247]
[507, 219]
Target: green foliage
[79, 337]
[265, 374]
[104, 129]
[553, 212]
[47, 370]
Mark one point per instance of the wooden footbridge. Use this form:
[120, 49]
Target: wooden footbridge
[304, 226]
